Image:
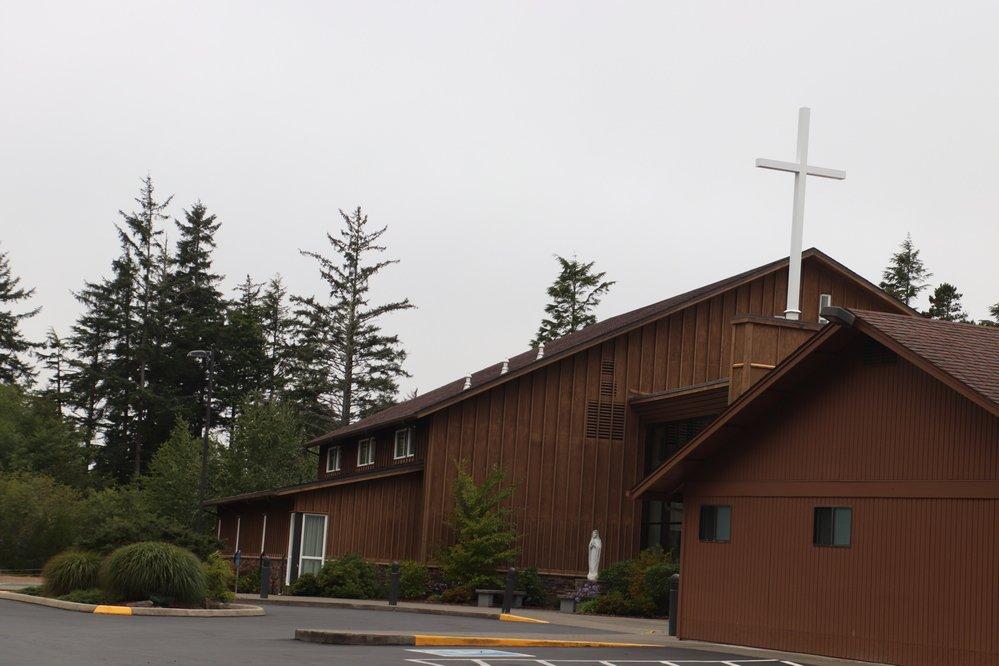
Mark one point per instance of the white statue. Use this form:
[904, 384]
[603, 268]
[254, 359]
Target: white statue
[594, 558]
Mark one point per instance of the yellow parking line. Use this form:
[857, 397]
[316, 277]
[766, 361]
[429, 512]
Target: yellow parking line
[509, 617]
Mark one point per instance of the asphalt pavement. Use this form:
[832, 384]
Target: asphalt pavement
[38, 635]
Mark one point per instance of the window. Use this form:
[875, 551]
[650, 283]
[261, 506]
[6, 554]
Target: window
[664, 439]
[313, 543]
[661, 523]
[366, 452]
[832, 526]
[716, 523]
[333, 459]
[404, 443]
[825, 300]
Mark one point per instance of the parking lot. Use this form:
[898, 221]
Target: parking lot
[38, 635]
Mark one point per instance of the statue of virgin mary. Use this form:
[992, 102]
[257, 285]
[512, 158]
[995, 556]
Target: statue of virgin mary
[594, 555]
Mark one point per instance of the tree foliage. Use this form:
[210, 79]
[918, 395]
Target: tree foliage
[574, 295]
[945, 304]
[906, 276]
[34, 438]
[265, 450]
[485, 538]
[39, 517]
[14, 367]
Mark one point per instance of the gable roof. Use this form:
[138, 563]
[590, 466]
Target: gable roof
[555, 350]
[963, 356]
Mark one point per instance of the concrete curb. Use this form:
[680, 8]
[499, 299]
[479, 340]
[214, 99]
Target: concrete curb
[360, 605]
[333, 637]
[234, 610]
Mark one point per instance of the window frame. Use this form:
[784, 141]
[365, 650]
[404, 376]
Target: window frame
[714, 536]
[339, 459]
[370, 441]
[834, 511]
[301, 542]
[410, 445]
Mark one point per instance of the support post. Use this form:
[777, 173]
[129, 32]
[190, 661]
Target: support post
[674, 594]
[394, 585]
[265, 576]
[511, 585]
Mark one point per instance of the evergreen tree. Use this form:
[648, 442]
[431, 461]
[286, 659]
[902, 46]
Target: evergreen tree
[311, 368]
[485, 539]
[945, 304]
[34, 438]
[90, 343]
[140, 235]
[197, 312]
[367, 362]
[13, 367]
[277, 323]
[574, 295]
[241, 364]
[994, 312]
[170, 487]
[905, 277]
[53, 356]
[266, 449]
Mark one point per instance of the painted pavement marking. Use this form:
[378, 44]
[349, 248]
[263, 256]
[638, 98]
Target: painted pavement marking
[528, 659]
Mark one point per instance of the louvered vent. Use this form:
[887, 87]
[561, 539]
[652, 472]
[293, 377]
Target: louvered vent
[605, 420]
[607, 378]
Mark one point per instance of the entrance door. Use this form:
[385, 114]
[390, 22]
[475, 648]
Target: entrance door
[313, 548]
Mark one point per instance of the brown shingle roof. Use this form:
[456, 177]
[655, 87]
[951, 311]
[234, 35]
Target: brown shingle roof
[573, 342]
[966, 352]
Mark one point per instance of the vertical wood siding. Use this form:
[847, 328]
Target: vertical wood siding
[384, 453]
[918, 585]
[533, 427]
[376, 519]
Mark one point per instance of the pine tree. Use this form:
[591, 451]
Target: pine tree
[575, 294]
[240, 361]
[945, 304]
[485, 538]
[14, 369]
[90, 344]
[276, 322]
[54, 358]
[994, 312]
[905, 277]
[170, 487]
[311, 369]
[197, 312]
[140, 235]
[368, 362]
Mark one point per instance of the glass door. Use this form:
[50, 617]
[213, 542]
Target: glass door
[313, 543]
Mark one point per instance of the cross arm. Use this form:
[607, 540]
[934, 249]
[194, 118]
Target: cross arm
[794, 167]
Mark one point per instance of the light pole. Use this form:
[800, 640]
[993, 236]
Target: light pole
[209, 360]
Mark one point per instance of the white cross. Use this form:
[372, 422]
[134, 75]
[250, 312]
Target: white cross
[800, 169]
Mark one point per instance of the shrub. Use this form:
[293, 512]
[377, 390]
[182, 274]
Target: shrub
[535, 592]
[349, 577]
[33, 590]
[93, 595]
[249, 581]
[456, 595]
[485, 536]
[154, 570]
[414, 580]
[38, 518]
[639, 586]
[304, 586]
[71, 570]
[615, 603]
[218, 579]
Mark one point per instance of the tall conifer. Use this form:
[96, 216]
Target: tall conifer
[14, 368]
[574, 295]
[945, 304]
[905, 277]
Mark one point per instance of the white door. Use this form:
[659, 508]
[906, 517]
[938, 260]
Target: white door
[313, 543]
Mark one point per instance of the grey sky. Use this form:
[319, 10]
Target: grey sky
[490, 135]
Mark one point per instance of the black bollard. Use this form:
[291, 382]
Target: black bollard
[394, 585]
[265, 576]
[511, 583]
[674, 592]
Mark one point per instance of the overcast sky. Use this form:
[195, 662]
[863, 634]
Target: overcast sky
[488, 136]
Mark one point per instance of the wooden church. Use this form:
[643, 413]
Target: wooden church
[574, 425]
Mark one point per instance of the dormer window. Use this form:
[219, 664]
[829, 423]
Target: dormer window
[333, 459]
[366, 452]
[404, 447]
[825, 301]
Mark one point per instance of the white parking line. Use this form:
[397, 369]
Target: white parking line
[499, 661]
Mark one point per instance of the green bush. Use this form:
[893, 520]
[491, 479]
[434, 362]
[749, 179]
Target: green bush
[414, 580]
[93, 595]
[154, 570]
[535, 592]
[249, 581]
[219, 579]
[639, 586]
[38, 518]
[349, 577]
[71, 570]
[456, 595]
[615, 603]
[485, 538]
[33, 590]
[305, 586]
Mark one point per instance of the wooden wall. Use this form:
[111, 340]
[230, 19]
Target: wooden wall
[251, 520]
[378, 519]
[919, 465]
[384, 453]
[567, 484]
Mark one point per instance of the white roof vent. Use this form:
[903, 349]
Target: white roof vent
[541, 352]
[506, 367]
[468, 383]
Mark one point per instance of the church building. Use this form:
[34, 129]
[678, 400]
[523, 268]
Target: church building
[847, 504]
[575, 425]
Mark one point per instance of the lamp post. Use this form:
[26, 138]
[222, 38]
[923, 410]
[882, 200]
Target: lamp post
[209, 360]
